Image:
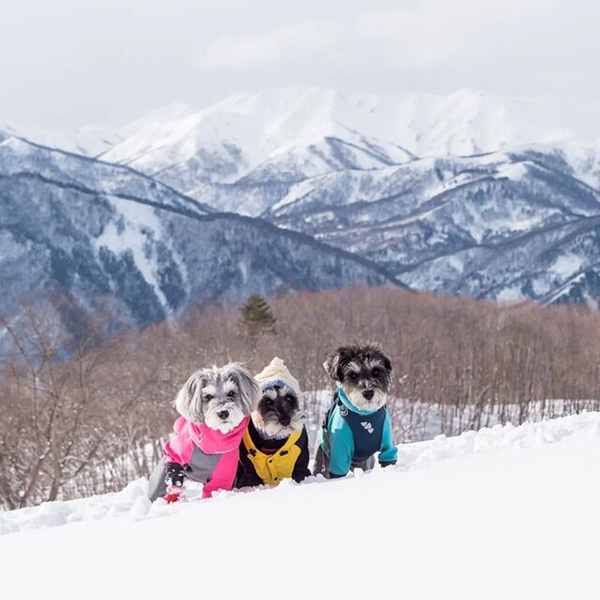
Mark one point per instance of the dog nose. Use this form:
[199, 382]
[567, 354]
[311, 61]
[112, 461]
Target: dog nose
[285, 421]
[368, 394]
[223, 414]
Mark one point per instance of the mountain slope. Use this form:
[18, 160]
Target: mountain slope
[457, 224]
[494, 500]
[103, 231]
[465, 122]
[577, 158]
[316, 161]
[288, 135]
[19, 157]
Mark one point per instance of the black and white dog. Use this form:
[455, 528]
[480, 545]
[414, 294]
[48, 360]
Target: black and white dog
[275, 445]
[357, 424]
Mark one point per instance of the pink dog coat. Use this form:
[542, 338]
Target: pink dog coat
[211, 457]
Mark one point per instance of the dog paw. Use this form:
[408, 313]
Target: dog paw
[173, 494]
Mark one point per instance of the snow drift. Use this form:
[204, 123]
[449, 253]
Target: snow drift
[503, 512]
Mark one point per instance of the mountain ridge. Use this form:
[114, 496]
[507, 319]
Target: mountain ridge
[99, 230]
[307, 161]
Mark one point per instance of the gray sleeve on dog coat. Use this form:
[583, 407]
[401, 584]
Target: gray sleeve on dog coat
[200, 469]
[157, 487]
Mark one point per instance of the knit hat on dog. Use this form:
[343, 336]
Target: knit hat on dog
[276, 374]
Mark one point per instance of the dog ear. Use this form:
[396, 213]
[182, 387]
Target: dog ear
[387, 363]
[247, 386]
[185, 397]
[332, 365]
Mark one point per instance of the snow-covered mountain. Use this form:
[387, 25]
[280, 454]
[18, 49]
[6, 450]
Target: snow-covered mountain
[518, 505]
[465, 193]
[97, 230]
[285, 136]
[290, 134]
[502, 225]
[465, 122]
[5, 132]
[89, 140]
[578, 158]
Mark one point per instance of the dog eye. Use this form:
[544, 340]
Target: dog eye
[208, 397]
[268, 402]
[290, 397]
[375, 372]
[230, 394]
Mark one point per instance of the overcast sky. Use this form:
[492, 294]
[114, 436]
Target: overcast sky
[66, 63]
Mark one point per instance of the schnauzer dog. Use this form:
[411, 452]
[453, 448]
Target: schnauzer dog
[275, 445]
[214, 405]
[357, 424]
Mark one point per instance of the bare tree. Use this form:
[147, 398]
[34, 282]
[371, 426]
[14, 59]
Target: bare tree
[80, 415]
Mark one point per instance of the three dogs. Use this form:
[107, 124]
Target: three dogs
[244, 431]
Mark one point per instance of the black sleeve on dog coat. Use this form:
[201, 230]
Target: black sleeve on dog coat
[301, 470]
[246, 475]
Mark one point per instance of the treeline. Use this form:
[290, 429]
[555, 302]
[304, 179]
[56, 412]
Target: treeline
[92, 422]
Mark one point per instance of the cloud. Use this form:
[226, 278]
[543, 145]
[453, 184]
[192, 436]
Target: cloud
[108, 61]
[303, 40]
[469, 37]
[440, 32]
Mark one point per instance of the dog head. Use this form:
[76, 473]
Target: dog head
[278, 413]
[219, 396]
[364, 372]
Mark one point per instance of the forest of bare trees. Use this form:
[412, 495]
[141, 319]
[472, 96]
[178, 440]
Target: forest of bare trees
[78, 416]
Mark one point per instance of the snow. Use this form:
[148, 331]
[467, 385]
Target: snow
[457, 263]
[567, 264]
[502, 513]
[463, 122]
[89, 140]
[510, 294]
[139, 221]
[583, 156]
[514, 171]
[265, 124]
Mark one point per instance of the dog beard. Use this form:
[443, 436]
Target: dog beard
[356, 397]
[274, 429]
[266, 419]
[214, 421]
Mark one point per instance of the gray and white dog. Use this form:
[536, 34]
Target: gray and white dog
[218, 396]
[357, 425]
[214, 404]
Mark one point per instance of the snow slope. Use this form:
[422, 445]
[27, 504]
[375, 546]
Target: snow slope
[502, 513]
[88, 140]
[292, 133]
[464, 122]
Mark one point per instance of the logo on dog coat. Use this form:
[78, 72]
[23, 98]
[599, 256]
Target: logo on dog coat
[368, 426]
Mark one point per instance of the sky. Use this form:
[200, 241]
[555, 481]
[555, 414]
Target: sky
[68, 63]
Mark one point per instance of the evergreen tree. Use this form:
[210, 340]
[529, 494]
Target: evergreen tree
[256, 317]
